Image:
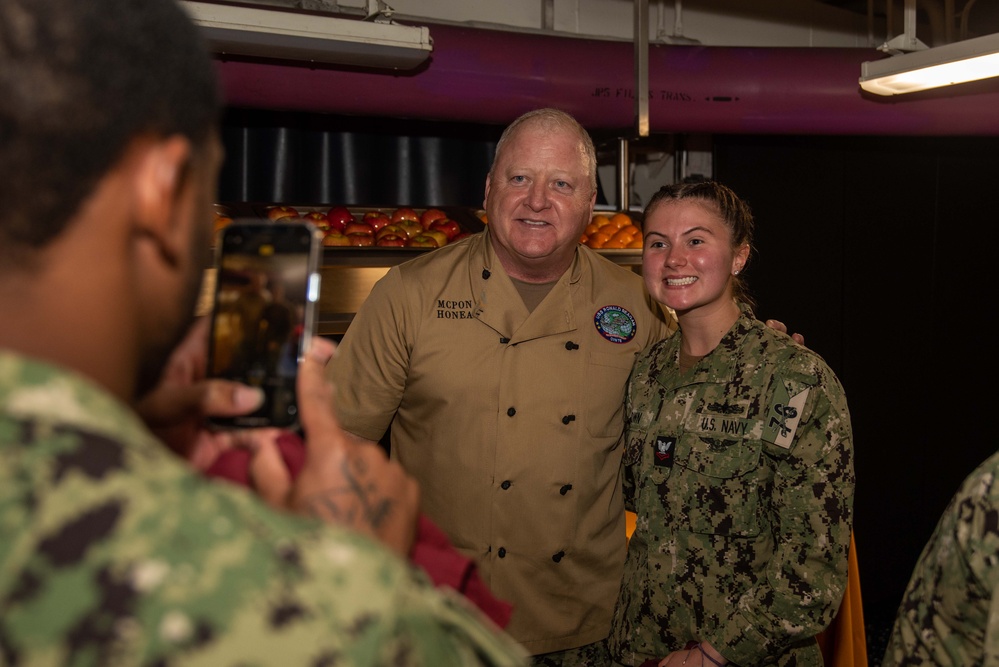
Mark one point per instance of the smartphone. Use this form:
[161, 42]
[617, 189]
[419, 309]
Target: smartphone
[264, 313]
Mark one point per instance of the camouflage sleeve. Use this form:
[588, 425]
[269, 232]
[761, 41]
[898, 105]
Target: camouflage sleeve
[810, 509]
[632, 450]
[119, 559]
[949, 613]
[991, 650]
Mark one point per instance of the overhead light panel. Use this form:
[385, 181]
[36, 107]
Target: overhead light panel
[960, 62]
[289, 35]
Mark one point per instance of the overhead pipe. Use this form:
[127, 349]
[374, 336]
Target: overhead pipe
[491, 76]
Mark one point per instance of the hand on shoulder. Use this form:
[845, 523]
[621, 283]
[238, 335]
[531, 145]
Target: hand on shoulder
[781, 327]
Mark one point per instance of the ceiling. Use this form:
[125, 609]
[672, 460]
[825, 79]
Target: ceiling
[970, 18]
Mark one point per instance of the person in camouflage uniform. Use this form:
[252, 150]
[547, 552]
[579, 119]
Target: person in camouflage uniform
[114, 552]
[738, 461]
[113, 549]
[948, 615]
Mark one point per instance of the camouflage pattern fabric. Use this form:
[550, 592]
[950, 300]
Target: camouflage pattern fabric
[741, 474]
[589, 655]
[112, 552]
[950, 611]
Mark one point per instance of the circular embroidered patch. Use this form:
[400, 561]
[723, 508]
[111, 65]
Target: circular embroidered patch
[615, 324]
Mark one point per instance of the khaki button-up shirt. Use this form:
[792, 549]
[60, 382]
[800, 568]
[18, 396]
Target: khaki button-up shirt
[510, 420]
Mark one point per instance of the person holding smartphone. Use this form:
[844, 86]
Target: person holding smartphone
[114, 550]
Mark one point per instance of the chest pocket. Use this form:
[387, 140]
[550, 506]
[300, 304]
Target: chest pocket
[718, 483]
[603, 392]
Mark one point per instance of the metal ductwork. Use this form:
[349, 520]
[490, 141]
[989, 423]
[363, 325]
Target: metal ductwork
[491, 76]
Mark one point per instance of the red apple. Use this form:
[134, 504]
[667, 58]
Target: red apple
[422, 241]
[318, 218]
[411, 227]
[439, 235]
[374, 214]
[335, 238]
[339, 216]
[391, 240]
[377, 221]
[449, 227]
[361, 239]
[430, 215]
[278, 212]
[404, 213]
[358, 228]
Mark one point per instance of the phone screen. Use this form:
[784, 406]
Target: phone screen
[263, 315]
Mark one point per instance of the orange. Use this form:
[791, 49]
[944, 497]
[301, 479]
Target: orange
[221, 221]
[619, 220]
[616, 242]
[590, 229]
[631, 230]
[600, 220]
[635, 243]
[598, 240]
[583, 238]
[622, 236]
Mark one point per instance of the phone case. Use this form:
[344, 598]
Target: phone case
[264, 313]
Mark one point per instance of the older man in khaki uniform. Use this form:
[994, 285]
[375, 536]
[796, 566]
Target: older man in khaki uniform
[500, 363]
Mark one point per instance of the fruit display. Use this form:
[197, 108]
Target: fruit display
[612, 231]
[408, 227]
[396, 227]
[223, 216]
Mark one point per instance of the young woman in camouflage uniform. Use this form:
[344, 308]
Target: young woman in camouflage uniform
[738, 461]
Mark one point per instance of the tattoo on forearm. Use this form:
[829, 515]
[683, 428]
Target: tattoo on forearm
[354, 501]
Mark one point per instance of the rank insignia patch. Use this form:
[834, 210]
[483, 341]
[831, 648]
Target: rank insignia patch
[615, 324]
[665, 446]
[783, 416]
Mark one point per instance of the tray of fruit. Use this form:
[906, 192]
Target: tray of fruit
[613, 232]
[397, 227]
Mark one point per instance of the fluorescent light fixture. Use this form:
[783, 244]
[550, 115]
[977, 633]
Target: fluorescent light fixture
[289, 35]
[960, 62]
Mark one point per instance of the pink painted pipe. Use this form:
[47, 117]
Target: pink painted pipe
[490, 77]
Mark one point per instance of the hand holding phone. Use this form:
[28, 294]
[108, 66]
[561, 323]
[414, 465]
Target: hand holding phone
[178, 407]
[263, 313]
[331, 474]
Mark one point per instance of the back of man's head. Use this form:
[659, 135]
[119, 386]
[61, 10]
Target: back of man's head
[79, 80]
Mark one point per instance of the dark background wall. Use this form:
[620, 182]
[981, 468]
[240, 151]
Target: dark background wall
[304, 158]
[881, 251]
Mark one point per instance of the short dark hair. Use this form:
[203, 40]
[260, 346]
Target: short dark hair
[733, 211]
[79, 80]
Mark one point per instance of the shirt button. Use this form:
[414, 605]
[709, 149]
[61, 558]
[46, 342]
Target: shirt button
[504, 340]
[568, 418]
[506, 484]
[501, 552]
[511, 412]
[565, 489]
[557, 557]
[571, 346]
